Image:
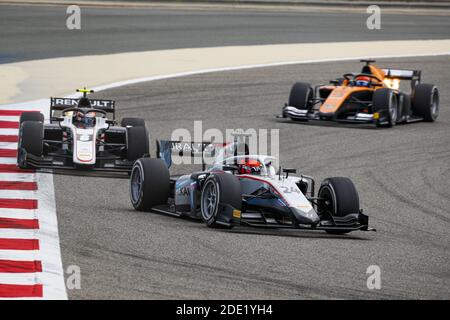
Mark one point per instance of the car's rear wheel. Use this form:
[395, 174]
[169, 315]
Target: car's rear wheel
[31, 135]
[137, 143]
[385, 103]
[132, 122]
[220, 192]
[149, 184]
[339, 198]
[425, 102]
[31, 116]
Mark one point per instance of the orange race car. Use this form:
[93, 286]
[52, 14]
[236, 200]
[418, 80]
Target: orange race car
[371, 96]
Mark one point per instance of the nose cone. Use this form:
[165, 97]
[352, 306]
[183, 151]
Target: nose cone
[308, 216]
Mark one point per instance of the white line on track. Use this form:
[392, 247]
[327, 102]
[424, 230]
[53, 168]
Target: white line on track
[17, 176]
[8, 145]
[18, 213]
[244, 67]
[53, 273]
[21, 278]
[18, 233]
[16, 194]
[9, 118]
[8, 160]
[9, 132]
[19, 255]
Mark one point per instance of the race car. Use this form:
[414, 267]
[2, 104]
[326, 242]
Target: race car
[80, 137]
[237, 188]
[370, 96]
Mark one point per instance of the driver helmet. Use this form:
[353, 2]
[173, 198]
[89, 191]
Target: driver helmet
[78, 116]
[89, 119]
[85, 120]
[248, 166]
[362, 81]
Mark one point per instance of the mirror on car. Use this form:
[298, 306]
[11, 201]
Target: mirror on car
[230, 168]
[289, 170]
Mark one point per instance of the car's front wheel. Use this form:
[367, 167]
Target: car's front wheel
[31, 135]
[300, 98]
[385, 103]
[338, 198]
[221, 193]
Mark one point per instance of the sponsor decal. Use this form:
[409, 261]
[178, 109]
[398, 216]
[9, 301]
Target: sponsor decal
[71, 102]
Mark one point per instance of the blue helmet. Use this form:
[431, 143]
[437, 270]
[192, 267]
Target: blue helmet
[362, 81]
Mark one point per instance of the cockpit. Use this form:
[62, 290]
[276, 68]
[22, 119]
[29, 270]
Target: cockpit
[255, 165]
[237, 155]
[83, 118]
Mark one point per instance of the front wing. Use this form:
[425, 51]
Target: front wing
[351, 222]
[304, 115]
[60, 163]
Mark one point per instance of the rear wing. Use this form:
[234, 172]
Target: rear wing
[59, 104]
[413, 75]
[195, 150]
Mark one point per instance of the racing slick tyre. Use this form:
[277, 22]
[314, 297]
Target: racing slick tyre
[137, 143]
[31, 116]
[300, 97]
[385, 102]
[149, 184]
[31, 135]
[341, 199]
[425, 102]
[220, 192]
[132, 122]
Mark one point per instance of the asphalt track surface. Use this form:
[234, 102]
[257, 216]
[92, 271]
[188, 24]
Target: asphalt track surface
[402, 174]
[38, 32]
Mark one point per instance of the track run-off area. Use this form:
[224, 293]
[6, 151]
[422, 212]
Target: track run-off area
[401, 173]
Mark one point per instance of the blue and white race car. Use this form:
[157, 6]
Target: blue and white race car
[243, 189]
